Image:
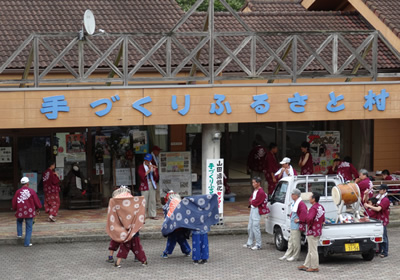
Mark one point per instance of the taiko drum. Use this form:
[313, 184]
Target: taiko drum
[349, 193]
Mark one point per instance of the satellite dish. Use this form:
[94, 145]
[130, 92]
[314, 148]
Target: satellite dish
[89, 22]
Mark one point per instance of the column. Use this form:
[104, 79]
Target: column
[210, 149]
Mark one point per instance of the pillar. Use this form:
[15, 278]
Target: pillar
[210, 149]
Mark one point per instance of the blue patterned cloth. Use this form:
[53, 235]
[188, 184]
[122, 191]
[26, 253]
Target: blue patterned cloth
[197, 213]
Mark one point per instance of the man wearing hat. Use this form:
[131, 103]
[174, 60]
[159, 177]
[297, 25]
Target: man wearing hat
[148, 174]
[155, 153]
[381, 211]
[298, 217]
[26, 203]
[286, 170]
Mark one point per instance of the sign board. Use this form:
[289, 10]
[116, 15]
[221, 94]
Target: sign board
[324, 148]
[215, 181]
[100, 169]
[6, 191]
[175, 173]
[33, 180]
[5, 154]
[123, 176]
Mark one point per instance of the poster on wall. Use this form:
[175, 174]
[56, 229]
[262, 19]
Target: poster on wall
[33, 180]
[124, 176]
[175, 173]
[140, 142]
[103, 142]
[324, 148]
[75, 143]
[60, 172]
[100, 168]
[215, 181]
[5, 154]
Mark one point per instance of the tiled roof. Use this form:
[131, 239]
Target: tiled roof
[20, 18]
[294, 22]
[388, 11]
[275, 6]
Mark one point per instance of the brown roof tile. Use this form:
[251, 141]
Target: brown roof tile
[388, 11]
[119, 16]
[275, 5]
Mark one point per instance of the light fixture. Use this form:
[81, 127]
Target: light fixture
[217, 136]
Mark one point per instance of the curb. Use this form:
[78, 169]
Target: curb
[104, 237]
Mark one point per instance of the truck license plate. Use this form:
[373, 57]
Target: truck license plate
[352, 247]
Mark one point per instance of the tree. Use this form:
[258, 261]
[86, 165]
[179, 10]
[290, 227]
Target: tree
[187, 4]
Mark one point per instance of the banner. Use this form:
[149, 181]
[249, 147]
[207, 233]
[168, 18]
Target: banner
[175, 173]
[215, 181]
[324, 148]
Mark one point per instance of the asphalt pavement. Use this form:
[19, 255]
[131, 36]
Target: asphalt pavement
[228, 260]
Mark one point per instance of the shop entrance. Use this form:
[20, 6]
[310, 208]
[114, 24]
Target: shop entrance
[34, 154]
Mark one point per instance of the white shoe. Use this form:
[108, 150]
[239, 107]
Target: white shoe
[247, 246]
[291, 259]
[255, 248]
[282, 258]
[19, 236]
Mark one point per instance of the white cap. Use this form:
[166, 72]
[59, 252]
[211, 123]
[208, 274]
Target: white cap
[285, 160]
[24, 180]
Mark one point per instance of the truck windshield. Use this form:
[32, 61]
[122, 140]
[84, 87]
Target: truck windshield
[280, 192]
[316, 187]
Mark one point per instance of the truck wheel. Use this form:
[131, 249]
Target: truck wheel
[280, 242]
[368, 256]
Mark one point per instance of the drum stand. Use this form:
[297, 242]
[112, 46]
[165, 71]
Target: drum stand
[355, 206]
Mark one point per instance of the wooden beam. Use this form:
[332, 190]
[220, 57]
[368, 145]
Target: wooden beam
[358, 64]
[27, 68]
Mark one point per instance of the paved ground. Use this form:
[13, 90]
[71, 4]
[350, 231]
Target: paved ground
[80, 225]
[228, 260]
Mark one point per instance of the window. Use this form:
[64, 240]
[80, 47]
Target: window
[316, 187]
[280, 192]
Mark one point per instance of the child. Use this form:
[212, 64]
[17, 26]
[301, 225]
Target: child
[133, 245]
[179, 235]
[124, 220]
[26, 203]
[196, 213]
[200, 247]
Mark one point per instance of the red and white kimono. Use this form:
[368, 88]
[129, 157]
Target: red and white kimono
[348, 171]
[308, 168]
[366, 185]
[271, 167]
[315, 219]
[51, 189]
[256, 159]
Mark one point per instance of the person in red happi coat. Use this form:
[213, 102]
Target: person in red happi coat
[347, 170]
[305, 161]
[51, 189]
[26, 204]
[315, 219]
[271, 167]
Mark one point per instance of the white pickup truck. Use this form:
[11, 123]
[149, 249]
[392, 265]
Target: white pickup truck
[345, 238]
